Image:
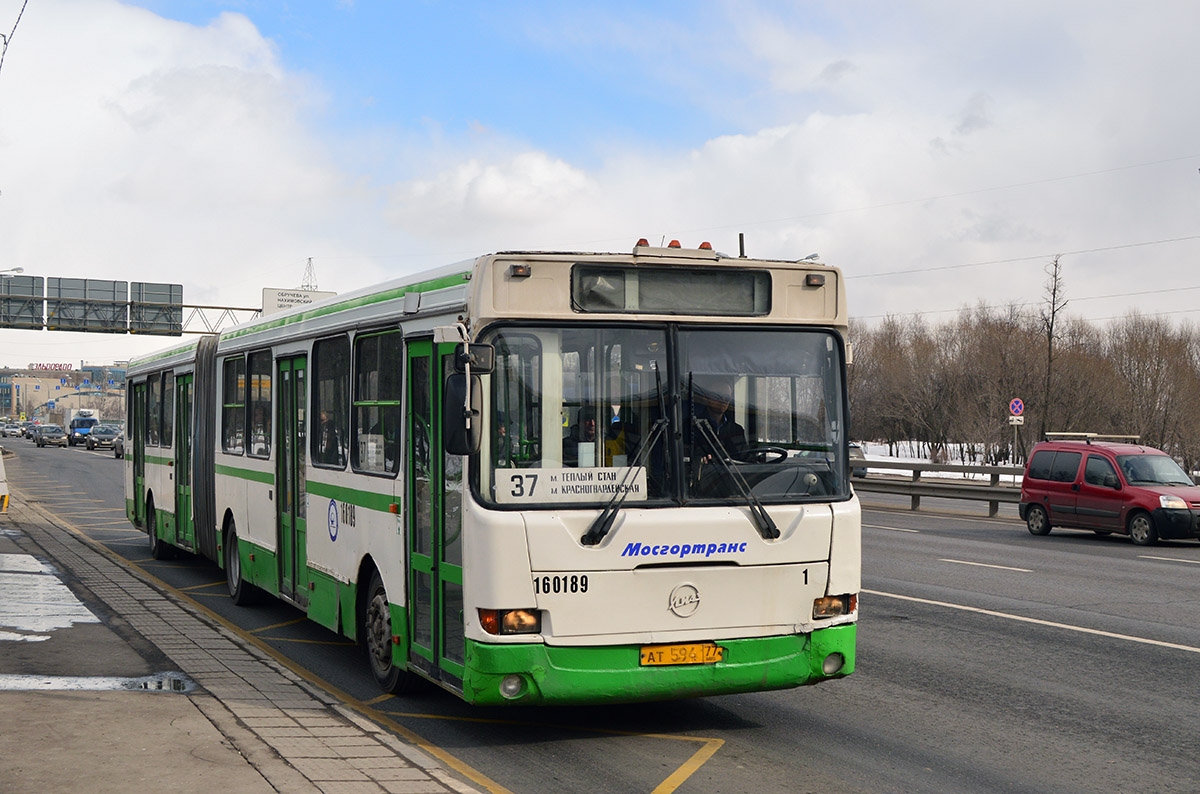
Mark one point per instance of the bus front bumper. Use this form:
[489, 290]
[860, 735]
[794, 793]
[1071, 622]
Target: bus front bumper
[537, 674]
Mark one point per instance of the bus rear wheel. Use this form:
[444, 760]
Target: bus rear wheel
[377, 636]
[159, 548]
[241, 592]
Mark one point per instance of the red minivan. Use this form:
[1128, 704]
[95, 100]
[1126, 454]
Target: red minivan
[1109, 487]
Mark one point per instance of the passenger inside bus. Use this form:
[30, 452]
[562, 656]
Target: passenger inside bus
[329, 447]
[581, 439]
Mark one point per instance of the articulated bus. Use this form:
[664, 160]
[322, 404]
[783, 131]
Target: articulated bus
[531, 478]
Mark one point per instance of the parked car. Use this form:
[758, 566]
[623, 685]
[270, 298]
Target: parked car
[51, 434]
[1123, 488]
[858, 461]
[119, 445]
[102, 436]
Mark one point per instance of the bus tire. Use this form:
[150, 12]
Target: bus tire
[159, 548]
[241, 592]
[377, 637]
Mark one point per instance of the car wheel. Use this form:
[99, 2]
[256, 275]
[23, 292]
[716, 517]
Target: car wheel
[1141, 529]
[377, 633]
[241, 592]
[1037, 521]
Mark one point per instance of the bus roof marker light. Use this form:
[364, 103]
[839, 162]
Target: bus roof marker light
[674, 244]
[519, 270]
[814, 280]
[706, 246]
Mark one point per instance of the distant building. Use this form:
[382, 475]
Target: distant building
[49, 392]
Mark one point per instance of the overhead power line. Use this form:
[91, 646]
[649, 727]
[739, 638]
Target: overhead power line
[6, 40]
[1024, 258]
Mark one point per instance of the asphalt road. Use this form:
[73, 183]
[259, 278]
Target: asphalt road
[989, 660]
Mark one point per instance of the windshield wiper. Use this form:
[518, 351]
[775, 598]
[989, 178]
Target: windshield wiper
[602, 523]
[766, 527]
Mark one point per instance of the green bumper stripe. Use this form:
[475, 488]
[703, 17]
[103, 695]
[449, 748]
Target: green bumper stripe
[611, 674]
[369, 500]
[246, 474]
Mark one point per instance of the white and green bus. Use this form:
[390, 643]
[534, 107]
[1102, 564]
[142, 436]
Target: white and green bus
[531, 478]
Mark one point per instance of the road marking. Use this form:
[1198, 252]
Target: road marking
[925, 514]
[201, 586]
[1038, 621]
[265, 628]
[891, 529]
[985, 565]
[1169, 559]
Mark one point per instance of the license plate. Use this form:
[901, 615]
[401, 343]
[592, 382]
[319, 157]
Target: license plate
[694, 653]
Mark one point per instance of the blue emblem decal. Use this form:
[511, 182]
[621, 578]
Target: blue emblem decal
[333, 520]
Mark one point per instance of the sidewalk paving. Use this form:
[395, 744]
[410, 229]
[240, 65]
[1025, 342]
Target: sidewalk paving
[251, 725]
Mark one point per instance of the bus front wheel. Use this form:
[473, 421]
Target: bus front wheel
[377, 636]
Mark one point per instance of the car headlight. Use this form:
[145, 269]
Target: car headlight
[1172, 502]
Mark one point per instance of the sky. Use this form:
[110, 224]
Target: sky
[940, 153]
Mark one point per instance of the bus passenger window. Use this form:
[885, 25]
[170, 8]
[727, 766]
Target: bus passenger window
[233, 406]
[330, 397]
[378, 364]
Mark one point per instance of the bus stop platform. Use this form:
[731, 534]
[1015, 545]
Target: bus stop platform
[108, 684]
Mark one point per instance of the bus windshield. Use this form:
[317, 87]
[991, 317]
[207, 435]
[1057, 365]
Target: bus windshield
[744, 412]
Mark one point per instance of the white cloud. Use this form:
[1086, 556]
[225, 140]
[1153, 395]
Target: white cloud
[885, 138]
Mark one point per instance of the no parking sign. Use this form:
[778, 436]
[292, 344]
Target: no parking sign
[1016, 407]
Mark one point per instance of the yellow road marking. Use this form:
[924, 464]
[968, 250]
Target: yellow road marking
[201, 586]
[280, 625]
[311, 642]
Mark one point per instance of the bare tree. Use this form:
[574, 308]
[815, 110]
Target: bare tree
[1055, 303]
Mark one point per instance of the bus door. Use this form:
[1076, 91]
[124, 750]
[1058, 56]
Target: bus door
[292, 499]
[434, 491]
[184, 527]
[135, 441]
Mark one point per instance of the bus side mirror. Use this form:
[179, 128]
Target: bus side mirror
[462, 426]
[480, 358]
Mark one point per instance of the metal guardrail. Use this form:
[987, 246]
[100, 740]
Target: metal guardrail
[991, 492]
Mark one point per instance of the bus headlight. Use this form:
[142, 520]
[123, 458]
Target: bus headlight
[834, 606]
[511, 621]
